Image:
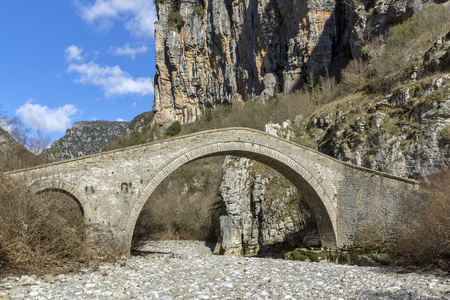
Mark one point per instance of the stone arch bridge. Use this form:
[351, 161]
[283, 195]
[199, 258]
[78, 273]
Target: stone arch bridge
[112, 187]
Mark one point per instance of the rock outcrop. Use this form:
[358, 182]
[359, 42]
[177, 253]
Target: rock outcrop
[90, 137]
[261, 210]
[406, 134]
[222, 52]
[371, 19]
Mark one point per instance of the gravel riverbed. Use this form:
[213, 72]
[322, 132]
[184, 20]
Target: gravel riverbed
[188, 270]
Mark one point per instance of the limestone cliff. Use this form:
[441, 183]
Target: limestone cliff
[230, 51]
[226, 51]
[261, 211]
[405, 134]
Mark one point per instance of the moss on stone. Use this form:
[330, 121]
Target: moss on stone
[446, 134]
[298, 255]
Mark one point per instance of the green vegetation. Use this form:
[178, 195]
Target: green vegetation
[403, 50]
[174, 129]
[199, 11]
[302, 255]
[175, 20]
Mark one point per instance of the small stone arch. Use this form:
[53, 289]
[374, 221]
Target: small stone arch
[319, 201]
[64, 187]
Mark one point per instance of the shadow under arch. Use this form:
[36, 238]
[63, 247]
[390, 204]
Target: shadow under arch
[316, 197]
[68, 189]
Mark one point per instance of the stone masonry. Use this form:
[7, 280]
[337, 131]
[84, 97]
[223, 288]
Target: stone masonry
[112, 187]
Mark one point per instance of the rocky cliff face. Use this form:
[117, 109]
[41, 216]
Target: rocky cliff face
[405, 134]
[226, 51]
[261, 210]
[231, 51]
[90, 137]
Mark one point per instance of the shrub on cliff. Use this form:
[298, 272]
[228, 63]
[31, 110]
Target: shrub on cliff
[174, 129]
[175, 20]
[404, 47]
[199, 11]
[355, 75]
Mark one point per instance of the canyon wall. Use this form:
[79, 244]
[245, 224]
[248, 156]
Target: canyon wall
[217, 52]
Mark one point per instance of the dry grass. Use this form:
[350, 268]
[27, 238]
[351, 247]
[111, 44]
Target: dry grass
[403, 49]
[426, 235]
[186, 205]
[39, 233]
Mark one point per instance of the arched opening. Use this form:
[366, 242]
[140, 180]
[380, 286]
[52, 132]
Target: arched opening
[63, 208]
[185, 205]
[311, 191]
[63, 202]
[41, 226]
[74, 197]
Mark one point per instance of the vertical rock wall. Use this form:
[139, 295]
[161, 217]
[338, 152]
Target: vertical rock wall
[230, 51]
[260, 210]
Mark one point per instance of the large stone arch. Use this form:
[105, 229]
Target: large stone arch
[315, 195]
[62, 186]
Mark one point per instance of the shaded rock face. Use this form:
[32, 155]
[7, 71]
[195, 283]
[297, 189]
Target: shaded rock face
[14, 155]
[84, 138]
[374, 18]
[237, 50]
[260, 209]
[6, 141]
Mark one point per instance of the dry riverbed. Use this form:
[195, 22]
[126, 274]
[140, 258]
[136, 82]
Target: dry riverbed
[188, 270]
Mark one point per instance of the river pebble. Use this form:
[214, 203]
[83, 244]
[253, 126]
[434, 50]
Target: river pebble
[188, 270]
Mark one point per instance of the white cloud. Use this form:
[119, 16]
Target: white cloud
[138, 15]
[112, 80]
[127, 50]
[120, 120]
[73, 53]
[47, 119]
[5, 125]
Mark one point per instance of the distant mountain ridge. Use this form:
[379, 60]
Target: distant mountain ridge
[89, 137]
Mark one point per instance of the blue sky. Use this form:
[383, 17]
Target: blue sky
[63, 61]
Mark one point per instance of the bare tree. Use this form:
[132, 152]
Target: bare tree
[38, 143]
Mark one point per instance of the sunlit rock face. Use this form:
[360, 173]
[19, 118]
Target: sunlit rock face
[232, 51]
[227, 51]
